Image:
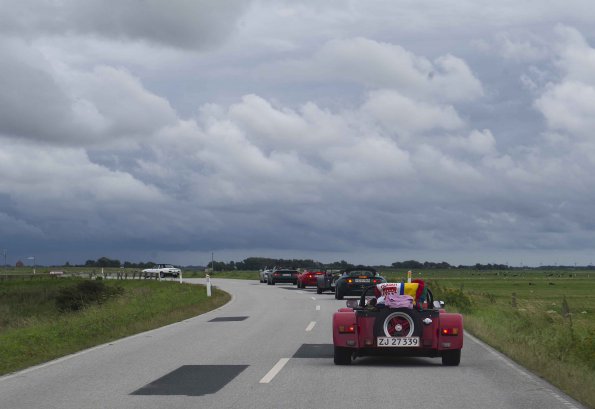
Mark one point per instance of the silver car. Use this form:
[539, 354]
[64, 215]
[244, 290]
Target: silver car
[264, 274]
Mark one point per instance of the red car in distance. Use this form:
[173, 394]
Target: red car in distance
[308, 278]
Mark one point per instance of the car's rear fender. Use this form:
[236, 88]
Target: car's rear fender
[345, 319]
[450, 321]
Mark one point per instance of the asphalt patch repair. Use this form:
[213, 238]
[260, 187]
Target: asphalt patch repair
[314, 351]
[224, 319]
[192, 380]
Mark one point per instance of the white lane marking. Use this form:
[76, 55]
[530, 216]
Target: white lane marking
[310, 326]
[531, 377]
[314, 298]
[318, 308]
[274, 370]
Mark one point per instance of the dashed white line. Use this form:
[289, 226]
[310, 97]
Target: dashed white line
[310, 326]
[314, 298]
[274, 370]
[318, 308]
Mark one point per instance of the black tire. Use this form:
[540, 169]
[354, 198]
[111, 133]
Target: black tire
[270, 282]
[338, 294]
[408, 319]
[161, 275]
[318, 290]
[451, 358]
[342, 356]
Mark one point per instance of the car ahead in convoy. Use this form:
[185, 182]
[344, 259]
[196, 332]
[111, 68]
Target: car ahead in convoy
[353, 281]
[264, 274]
[283, 275]
[326, 282]
[412, 324]
[162, 270]
[308, 278]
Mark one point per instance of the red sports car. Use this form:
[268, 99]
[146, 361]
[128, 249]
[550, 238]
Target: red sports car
[401, 319]
[308, 278]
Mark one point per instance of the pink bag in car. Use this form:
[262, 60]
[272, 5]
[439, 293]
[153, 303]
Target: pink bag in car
[393, 300]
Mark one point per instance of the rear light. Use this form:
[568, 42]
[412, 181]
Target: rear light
[374, 281]
[449, 331]
[349, 280]
[276, 274]
[346, 329]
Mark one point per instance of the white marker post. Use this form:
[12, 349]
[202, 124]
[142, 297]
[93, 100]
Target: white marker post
[409, 276]
[208, 285]
[180, 276]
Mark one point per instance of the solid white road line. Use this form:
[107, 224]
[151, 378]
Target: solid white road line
[274, 370]
[318, 308]
[310, 326]
[521, 370]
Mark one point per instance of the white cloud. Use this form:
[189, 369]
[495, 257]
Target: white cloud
[404, 116]
[568, 105]
[383, 65]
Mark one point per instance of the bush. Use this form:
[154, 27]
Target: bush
[457, 298]
[77, 297]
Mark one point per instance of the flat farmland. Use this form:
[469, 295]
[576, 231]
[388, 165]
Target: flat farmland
[542, 319]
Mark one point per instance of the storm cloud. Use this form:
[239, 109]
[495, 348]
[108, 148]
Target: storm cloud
[156, 130]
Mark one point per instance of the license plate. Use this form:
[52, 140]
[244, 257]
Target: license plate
[397, 341]
[286, 275]
[362, 280]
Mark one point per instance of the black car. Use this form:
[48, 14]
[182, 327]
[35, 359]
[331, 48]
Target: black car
[353, 281]
[326, 281]
[283, 275]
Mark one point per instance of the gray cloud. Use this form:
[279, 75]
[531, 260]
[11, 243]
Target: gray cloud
[177, 23]
[361, 142]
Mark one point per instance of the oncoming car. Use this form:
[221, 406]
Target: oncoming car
[354, 280]
[162, 270]
[411, 324]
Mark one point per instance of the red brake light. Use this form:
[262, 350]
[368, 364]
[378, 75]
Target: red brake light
[346, 329]
[449, 331]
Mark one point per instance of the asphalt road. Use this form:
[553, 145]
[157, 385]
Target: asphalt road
[270, 347]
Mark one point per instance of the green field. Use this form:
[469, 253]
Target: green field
[33, 330]
[548, 326]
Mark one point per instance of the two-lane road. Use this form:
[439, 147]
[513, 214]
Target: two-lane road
[270, 347]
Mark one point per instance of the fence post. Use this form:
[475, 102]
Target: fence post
[208, 285]
[566, 311]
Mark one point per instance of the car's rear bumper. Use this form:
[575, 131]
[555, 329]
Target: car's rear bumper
[292, 280]
[374, 351]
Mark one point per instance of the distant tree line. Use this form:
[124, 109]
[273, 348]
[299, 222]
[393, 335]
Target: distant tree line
[107, 262]
[259, 263]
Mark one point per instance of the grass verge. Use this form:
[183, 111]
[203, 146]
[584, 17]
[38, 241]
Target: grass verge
[545, 324]
[33, 330]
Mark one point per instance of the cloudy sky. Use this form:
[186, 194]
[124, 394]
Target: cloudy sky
[370, 131]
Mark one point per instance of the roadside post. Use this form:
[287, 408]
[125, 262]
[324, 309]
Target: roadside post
[208, 285]
[409, 276]
[180, 276]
